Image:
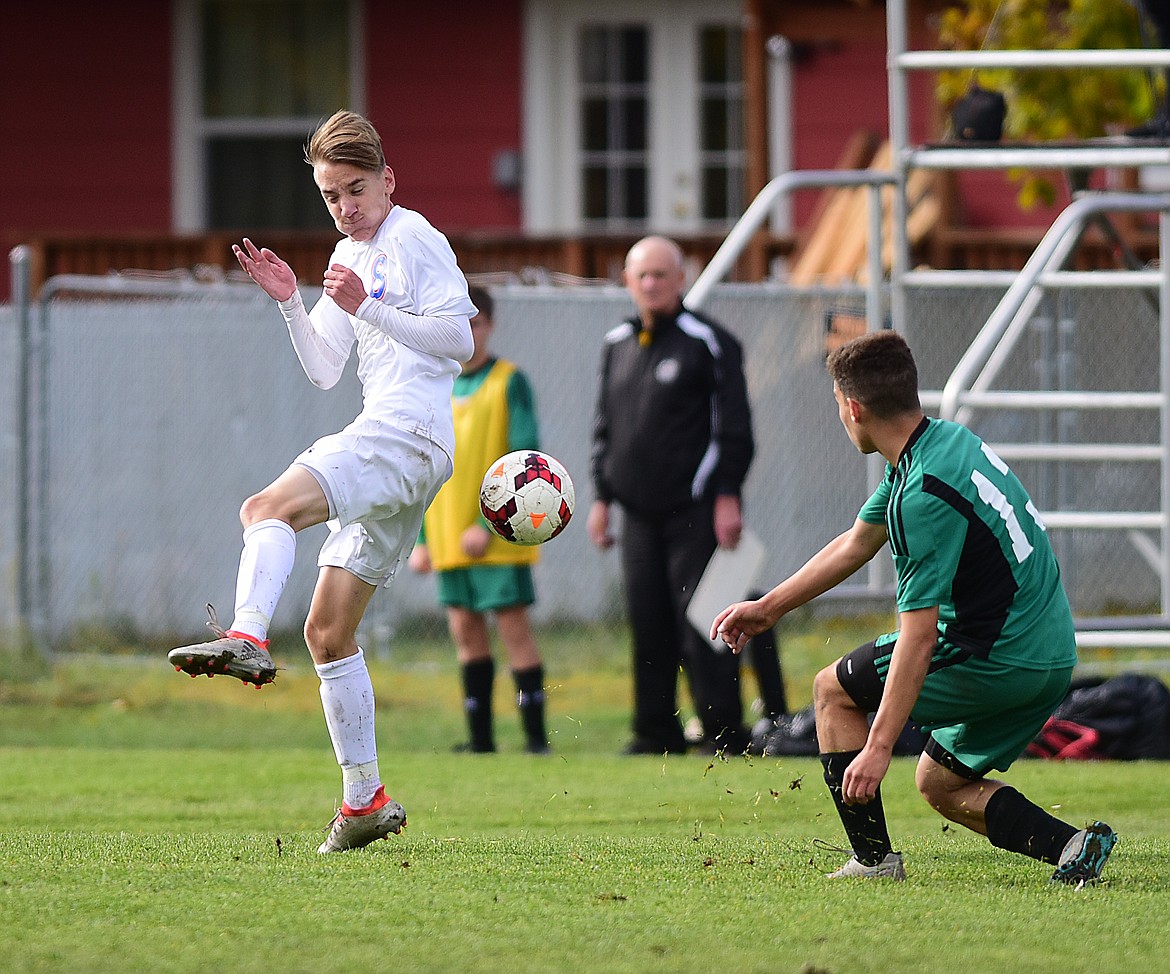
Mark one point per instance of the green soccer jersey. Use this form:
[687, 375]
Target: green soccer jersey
[966, 537]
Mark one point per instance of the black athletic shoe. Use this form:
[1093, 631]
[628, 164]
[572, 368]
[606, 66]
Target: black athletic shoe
[467, 747]
[640, 745]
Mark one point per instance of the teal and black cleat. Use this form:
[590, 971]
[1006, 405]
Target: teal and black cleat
[1085, 856]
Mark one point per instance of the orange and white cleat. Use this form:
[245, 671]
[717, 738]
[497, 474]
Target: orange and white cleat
[230, 654]
[353, 828]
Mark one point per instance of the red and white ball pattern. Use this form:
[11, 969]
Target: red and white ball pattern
[527, 497]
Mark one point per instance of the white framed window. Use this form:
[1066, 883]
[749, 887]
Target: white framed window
[722, 129]
[633, 116]
[613, 64]
[252, 80]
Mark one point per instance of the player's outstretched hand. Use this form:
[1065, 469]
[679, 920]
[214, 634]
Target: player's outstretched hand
[736, 624]
[266, 269]
[865, 772]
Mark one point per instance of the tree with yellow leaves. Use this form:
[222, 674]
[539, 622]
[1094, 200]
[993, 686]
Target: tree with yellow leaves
[1046, 105]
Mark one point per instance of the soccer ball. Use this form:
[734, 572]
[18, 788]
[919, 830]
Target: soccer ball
[527, 497]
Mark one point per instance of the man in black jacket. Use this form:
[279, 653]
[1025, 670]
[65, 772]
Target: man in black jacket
[672, 443]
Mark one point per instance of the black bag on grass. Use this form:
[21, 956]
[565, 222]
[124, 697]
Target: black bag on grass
[1130, 713]
[797, 734]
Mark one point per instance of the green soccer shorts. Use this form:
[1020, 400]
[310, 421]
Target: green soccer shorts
[486, 588]
[979, 714]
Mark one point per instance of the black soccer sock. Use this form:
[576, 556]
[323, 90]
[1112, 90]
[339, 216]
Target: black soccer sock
[865, 825]
[478, 679]
[530, 699]
[1015, 824]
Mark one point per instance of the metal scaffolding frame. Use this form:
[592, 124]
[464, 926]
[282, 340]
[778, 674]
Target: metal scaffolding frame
[968, 388]
[969, 385]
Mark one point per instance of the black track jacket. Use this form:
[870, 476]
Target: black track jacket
[672, 425]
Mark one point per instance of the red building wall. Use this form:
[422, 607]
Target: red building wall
[836, 93]
[85, 103]
[444, 90]
[85, 98]
[988, 199]
[841, 87]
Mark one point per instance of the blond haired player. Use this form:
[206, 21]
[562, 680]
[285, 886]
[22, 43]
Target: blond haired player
[393, 290]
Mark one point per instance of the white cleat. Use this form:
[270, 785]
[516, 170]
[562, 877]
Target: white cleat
[231, 654]
[355, 828]
[889, 868]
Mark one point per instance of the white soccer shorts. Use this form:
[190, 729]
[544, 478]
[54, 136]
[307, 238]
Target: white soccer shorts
[379, 480]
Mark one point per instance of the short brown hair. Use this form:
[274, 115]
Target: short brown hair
[878, 371]
[481, 297]
[346, 137]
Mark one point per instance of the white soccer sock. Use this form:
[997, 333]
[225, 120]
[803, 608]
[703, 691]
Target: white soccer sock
[359, 784]
[265, 564]
[347, 697]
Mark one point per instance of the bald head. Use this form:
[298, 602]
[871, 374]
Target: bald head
[662, 248]
[654, 277]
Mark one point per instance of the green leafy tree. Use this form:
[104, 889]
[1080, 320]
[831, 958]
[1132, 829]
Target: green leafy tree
[1051, 105]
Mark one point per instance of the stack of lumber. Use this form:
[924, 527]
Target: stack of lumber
[834, 250]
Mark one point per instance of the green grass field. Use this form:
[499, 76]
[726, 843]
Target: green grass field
[156, 823]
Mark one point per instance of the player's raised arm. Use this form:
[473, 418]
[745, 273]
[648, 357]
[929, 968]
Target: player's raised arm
[273, 275]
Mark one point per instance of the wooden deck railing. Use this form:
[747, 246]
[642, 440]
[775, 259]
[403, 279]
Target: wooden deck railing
[516, 256]
[536, 259]
[955, 248]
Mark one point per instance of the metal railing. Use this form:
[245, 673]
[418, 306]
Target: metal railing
[759, 210]
[969, 386]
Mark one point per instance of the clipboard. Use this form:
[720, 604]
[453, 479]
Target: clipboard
[728, 577]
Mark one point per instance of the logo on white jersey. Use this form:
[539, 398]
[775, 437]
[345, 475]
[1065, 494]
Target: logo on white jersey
[378, 284]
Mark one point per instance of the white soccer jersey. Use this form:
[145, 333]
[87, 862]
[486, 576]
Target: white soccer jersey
[411, 332]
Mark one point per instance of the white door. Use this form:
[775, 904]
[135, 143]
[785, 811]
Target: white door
[633, 116]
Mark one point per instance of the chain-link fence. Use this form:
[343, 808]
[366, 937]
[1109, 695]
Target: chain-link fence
[10, 462]
[155, 411]
[1083, 340]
